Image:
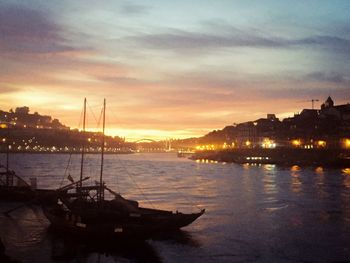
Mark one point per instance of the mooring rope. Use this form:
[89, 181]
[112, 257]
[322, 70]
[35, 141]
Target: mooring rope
[65, 171]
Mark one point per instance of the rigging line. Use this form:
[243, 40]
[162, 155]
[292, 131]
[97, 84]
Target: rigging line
[65, 171]
[99, 119]
[118, 187]
[93, 114]
[130, 176]
[115, 118]
[120, 161]
[176, 189]
[137, 186]
[187, 199]
[81, 118]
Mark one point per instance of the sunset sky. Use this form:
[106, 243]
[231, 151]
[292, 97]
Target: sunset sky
[173, 68]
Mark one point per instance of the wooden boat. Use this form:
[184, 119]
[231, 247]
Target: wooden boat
[85, 211]
[14, 188]
[23, 193]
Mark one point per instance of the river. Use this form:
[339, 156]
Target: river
[260, 213]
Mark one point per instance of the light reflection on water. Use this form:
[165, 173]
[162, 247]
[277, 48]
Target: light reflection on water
[254, 212]
[296, 180]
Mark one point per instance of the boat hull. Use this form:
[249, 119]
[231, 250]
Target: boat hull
[115, 224]
[26, 194]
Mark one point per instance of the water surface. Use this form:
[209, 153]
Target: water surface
[254, 213]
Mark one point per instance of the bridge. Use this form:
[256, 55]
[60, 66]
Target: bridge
[162, 145]
[144, 140]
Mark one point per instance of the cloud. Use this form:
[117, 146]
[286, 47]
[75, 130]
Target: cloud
[25, 30]
[182, 41]
[335, 43]
[332, 77]
[5, 88]
[134, 9]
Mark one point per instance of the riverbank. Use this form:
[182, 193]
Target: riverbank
[282, 156]
[66, 152]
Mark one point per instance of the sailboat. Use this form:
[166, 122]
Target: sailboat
[86, 211]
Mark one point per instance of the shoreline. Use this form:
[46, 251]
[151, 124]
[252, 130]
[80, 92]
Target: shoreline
[279, 156]
[75, 152]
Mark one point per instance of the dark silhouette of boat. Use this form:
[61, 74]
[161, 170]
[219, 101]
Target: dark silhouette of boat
[12, 187]
[85, 211]
[67, 248]
[15, 188]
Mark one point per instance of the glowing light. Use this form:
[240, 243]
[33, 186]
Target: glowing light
[296, 142]
[309, 146]
[321, 143]
[319, 170]
[267, 143]
[3, 125]
[295, 168]
[248, 143]
[346, 143]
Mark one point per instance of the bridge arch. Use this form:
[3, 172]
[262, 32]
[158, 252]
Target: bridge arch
[145, 140]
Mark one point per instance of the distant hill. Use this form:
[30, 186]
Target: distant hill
[22, 118]
[32, 132]
[331, 122]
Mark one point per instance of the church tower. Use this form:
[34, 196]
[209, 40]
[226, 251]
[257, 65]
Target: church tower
[329, 103]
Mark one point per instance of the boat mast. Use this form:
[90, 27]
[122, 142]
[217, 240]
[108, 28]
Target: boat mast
[83, 147]
[102, 151]
[7, 155]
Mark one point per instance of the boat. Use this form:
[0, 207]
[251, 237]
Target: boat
[14, 188]
[84, 211]
[185, 154]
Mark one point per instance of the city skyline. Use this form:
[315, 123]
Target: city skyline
[173, 69]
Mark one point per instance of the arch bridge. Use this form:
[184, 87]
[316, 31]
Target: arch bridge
[144, 140]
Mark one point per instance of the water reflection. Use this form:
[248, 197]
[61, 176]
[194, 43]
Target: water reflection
[346, 171]
[319, 170]
[269, 181]
[206, 161]
[346, 180]
[271, 201]
[296, 183]
[179, 237]
[320, 182]
[28, 237]
[346, 195]
[65, 248]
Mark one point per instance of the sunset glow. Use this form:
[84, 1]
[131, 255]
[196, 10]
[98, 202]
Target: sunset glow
[172, 69]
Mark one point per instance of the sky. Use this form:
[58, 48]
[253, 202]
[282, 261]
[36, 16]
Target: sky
[172, 69]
